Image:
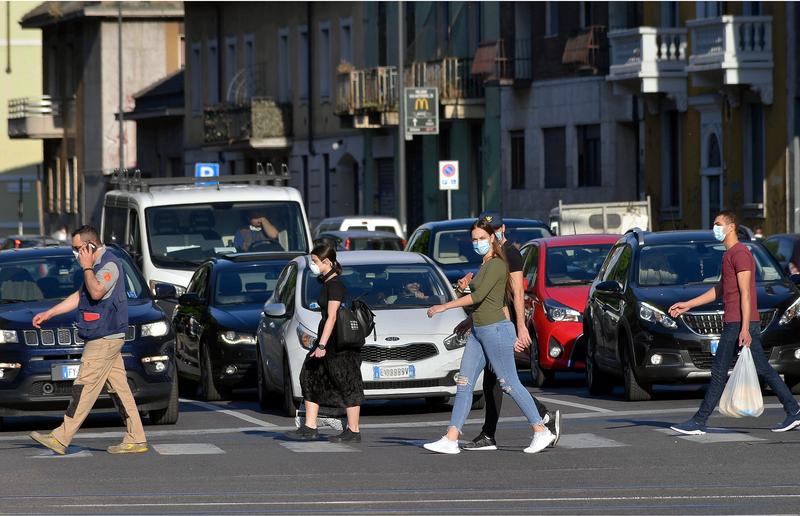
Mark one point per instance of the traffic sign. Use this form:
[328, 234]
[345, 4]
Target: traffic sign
[448, 175]
[206, 170]
[422, 111]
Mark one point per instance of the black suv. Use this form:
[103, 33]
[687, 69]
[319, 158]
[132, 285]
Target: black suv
[631, 336]
[38, 366]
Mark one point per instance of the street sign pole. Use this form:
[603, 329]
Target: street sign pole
[449, 205]
[448, 180]
[401, 136]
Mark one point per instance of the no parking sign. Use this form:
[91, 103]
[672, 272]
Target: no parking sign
[448, 175]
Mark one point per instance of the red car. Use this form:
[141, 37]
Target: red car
[558, 272]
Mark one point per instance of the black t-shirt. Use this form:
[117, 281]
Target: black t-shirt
[515, 262]
[332, 290]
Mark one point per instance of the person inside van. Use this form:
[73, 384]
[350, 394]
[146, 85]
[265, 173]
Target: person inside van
[260, 230]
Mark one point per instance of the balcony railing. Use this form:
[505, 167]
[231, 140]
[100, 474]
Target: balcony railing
[647, 52]
[451, 75]
[40, 117]
[730, 41]
[261, 120]
[373, 89]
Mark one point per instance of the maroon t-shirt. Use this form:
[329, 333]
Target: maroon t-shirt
[737, 259]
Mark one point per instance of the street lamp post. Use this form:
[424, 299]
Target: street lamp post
[401, 137]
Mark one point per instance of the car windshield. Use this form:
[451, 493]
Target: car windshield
[574, 265]
[375, 244]
[252, 284]
[386, 287]
[53, 278]
[682, 264]
[454, 246]
[184, 236]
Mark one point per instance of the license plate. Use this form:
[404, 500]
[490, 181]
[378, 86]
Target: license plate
[60, 372]
[391, 372]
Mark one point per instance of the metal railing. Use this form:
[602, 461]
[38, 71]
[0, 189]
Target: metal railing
[261, 118]
[372, 89]
[730, 38]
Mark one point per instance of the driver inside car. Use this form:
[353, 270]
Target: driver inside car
[259, 230]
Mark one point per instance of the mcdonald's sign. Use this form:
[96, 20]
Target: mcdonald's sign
[421, 111]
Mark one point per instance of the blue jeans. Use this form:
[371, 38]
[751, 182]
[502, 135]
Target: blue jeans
[495, 343]
[728, 344]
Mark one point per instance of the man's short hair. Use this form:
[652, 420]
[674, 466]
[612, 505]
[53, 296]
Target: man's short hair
[87, 233]
[728, 215]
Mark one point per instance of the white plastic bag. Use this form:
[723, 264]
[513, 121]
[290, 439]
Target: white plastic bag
[742, 394]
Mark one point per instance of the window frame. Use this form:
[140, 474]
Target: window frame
[547, 152]
[585, 176]
[303, 42]
[324, 65]
[212, 72]
[517, 159]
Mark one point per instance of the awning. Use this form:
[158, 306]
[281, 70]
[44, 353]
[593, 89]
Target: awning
[486, 58]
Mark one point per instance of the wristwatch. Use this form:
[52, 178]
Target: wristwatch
[321, 346]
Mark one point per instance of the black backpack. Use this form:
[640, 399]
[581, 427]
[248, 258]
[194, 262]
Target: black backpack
[354, 324]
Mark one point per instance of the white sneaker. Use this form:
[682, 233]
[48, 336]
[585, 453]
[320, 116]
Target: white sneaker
[541, 440]
[443, 445]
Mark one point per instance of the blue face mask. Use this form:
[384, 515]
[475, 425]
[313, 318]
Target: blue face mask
[719, 233]
[481, 247]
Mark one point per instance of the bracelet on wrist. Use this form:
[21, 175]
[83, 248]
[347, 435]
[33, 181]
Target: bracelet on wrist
[88, 269]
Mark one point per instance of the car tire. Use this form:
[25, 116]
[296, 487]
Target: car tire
[634, 391]
[169, 414]
[265, 397]
[209, 390]
[290, 404]
[793, 382]
[539, 375]
[598, 381]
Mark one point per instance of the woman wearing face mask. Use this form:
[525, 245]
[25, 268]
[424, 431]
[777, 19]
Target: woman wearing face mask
[330, 377]
[491, 339]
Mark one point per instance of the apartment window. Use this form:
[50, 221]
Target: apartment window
[302, 63]
[212, 79]
[346, 41]
[752, 9]
[324, 61]
[283, 65]
[196, 87]
[754, 154]
[555, 160]
[250, 64]
[517, 160]
[670, 161]
[230, 67]
[709, 9]
[669, 14]
[589, 155]
[551, 19]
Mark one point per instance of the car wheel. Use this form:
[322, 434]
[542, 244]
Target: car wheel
[793, 382]
[169, 414]
[264, 395]
[634, 391]
[540, 376]
[599, 382]
[290, 404]
[209, 391]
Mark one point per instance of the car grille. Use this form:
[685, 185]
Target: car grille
[710, 323]
[409, 353]
[410, 384]
[704, 359]
[63, 337]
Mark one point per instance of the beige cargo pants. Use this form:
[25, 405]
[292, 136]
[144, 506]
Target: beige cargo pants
[101, 364]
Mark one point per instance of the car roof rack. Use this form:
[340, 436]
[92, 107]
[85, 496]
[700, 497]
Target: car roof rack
[132, 180]
[638, 233]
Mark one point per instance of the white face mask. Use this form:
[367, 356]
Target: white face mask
[255, 228]
[314, 268]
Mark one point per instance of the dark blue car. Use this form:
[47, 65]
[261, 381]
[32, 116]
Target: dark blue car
[38, 366]
[449, 242]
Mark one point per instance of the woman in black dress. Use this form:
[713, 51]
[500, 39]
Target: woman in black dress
[330, 377]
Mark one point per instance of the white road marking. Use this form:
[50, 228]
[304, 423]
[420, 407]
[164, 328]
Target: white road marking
[187, 449]
[49, 454]
[317, 446]
[578, 441]
[243, 417]
[572, 404]
[713, 435]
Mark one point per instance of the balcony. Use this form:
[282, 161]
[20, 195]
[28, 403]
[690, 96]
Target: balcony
[40, 118]
[587, 51]
[649, 60]
[261, 124]
[461, 93]
[732, 51]
[368, 96]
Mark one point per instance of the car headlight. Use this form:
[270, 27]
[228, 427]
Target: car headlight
[235, 337]
[652, 314]
[305, 337]
[791, 313]
[455, 341]
[558, 312]
[8, 337]
[155, 329]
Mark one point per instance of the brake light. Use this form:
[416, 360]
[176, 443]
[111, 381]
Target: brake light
[347, 244]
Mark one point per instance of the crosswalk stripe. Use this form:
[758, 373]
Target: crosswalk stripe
[578, 441]
[317, 446]
[187, 449]
[713, 435]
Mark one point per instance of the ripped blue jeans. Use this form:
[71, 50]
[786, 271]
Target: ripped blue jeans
[495, 343]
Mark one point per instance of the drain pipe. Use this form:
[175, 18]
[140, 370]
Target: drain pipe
[310, 30]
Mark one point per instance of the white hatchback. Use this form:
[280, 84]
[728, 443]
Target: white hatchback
[409, 356]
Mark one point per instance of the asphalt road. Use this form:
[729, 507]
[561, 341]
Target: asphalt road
[614, 457]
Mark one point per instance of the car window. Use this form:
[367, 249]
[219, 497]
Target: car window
[608, 265]
[134, 235]
[388, 229]
[621, 269]
[531, 267]
[781, 248]
[420, 241]
[199, 283]
[375, 244]
[520, 235]
[681, 264]
[386, 286]
[280, 286]
[454, 246]
[114, 225]
[289, 290]
[251, 284]
[574, 265]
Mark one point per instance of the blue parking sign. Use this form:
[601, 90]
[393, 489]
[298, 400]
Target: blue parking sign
[206, 169]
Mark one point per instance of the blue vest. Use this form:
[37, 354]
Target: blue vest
[98, 319]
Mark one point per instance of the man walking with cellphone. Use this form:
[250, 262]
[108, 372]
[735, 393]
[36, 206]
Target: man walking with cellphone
[741, 326]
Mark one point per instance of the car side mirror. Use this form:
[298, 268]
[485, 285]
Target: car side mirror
[609, 287]
[190, 299]
[276, 310]
[795, 279]
[164, 291]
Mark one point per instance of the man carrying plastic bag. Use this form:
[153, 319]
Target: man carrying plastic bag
[742, 394]
[742, 326]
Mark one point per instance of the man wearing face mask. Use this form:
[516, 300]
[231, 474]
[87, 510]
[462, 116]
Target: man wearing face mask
[102, 320]
[259, 230]
[741, 326]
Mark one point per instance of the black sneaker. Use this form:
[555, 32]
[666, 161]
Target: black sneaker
[482, 442]
[554, 425]
[303, 433]
[347, 436]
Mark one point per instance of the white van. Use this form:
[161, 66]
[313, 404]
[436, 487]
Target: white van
[366, 222]
[171, 225]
